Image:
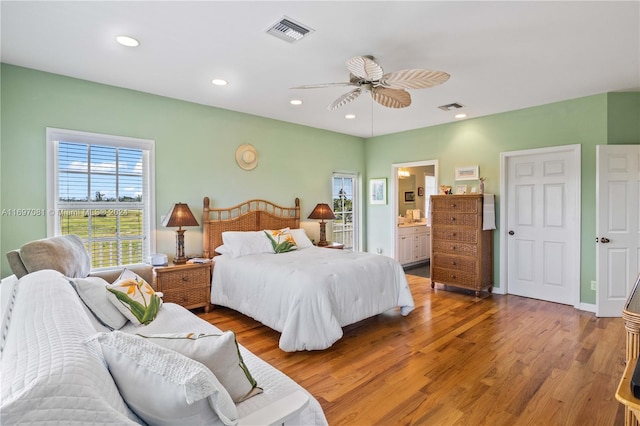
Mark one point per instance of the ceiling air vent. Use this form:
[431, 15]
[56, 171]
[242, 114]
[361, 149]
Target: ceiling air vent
[449, 107]
[289, 30]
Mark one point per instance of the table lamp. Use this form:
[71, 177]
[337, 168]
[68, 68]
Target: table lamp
[322, 211]
[180, 215]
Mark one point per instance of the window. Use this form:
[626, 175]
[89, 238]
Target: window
[100, 187]
[345, 228]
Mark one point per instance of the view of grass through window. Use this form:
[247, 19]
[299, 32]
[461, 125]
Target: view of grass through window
[100, 199]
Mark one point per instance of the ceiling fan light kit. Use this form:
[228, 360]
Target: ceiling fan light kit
[386, 89]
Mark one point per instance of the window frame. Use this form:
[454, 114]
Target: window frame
[355, 205]
[55, 135]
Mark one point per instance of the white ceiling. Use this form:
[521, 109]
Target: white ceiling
[501, 55]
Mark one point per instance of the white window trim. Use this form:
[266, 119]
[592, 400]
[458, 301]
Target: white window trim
[357, 240]
[54, 135]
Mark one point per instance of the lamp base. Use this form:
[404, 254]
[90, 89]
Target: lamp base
[323, 235]
[180, 258]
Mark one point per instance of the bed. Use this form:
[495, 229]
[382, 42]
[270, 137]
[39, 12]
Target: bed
[307, 294]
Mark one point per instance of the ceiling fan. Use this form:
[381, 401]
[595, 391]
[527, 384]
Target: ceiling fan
[386, 89]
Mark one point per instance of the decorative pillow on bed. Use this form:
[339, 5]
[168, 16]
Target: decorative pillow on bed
[239, 243]
[302, 241]
[281, 240]
[135, 298]
[94, 294]
[220, 353]
[161, 386]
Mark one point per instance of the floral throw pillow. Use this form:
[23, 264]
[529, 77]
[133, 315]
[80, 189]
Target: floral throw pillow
[135, 298]
[281, 240]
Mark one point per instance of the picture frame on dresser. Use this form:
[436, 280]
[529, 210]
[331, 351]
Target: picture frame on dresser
[467, 173]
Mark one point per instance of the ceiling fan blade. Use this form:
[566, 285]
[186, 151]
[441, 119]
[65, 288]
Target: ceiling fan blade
[414, 79]
[391, 98]
[317, 86]
[345, 99]
[365, 68]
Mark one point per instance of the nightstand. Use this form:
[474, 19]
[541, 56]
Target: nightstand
[337, 246]
[187, 285]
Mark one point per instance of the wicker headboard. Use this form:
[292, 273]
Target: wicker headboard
[252, 215]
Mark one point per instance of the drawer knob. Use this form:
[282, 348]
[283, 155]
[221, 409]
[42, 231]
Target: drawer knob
[453, 234]
[453, 219]
[453, 205]
[452, 276]
[453, 247]
[185, 278]
[453, 263]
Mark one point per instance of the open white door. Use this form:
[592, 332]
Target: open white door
[617, 225]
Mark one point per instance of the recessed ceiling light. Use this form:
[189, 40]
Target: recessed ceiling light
[460, 116]
[127, 41]
[350, 116]
[295, 102]
[219, 82]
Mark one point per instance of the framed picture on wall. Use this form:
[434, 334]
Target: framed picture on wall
[420, 191]
[378, 191]
[468, 173]
[409, 197]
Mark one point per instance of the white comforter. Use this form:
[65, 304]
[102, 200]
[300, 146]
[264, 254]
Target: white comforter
[309, 295]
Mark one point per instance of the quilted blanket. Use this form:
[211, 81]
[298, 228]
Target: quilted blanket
[308, 295]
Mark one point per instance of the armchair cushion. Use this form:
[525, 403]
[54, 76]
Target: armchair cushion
[65, 254]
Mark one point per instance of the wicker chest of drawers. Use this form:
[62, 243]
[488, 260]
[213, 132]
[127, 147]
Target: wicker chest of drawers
[461, 252]
[187, 285]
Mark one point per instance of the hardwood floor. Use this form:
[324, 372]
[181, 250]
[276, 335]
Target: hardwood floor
[458, 360]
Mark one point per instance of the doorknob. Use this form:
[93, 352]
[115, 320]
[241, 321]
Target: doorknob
[605, 240]
[511, 233]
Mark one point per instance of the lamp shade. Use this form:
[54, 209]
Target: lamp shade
[322, 211]
[180, 215]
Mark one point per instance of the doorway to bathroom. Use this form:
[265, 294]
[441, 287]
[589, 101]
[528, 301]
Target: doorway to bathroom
[412, 186]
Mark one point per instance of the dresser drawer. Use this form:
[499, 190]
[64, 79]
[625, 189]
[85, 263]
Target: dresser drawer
[187, 296]
[454, 247]
[454, 219]
[186, 278]
[455, 204]
[459, 263]
[450, 276]
[451, 233]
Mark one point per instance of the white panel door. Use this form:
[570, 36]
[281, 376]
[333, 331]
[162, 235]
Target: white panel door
[618, 225]
[542, 216]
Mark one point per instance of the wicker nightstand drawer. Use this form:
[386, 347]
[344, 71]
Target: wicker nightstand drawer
[188, 296]
[187, 285]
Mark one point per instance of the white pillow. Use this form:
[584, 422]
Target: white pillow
[94, 294]
[135, 298]
[302, 241]
[221, 249]
[220, 353]
[161, 386]
[240, 243]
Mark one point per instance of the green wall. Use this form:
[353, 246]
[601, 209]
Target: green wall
[195, 151]
[480, 141]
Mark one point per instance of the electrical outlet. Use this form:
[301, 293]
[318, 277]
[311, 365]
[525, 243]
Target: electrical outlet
[594, 285]
[379, 250]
